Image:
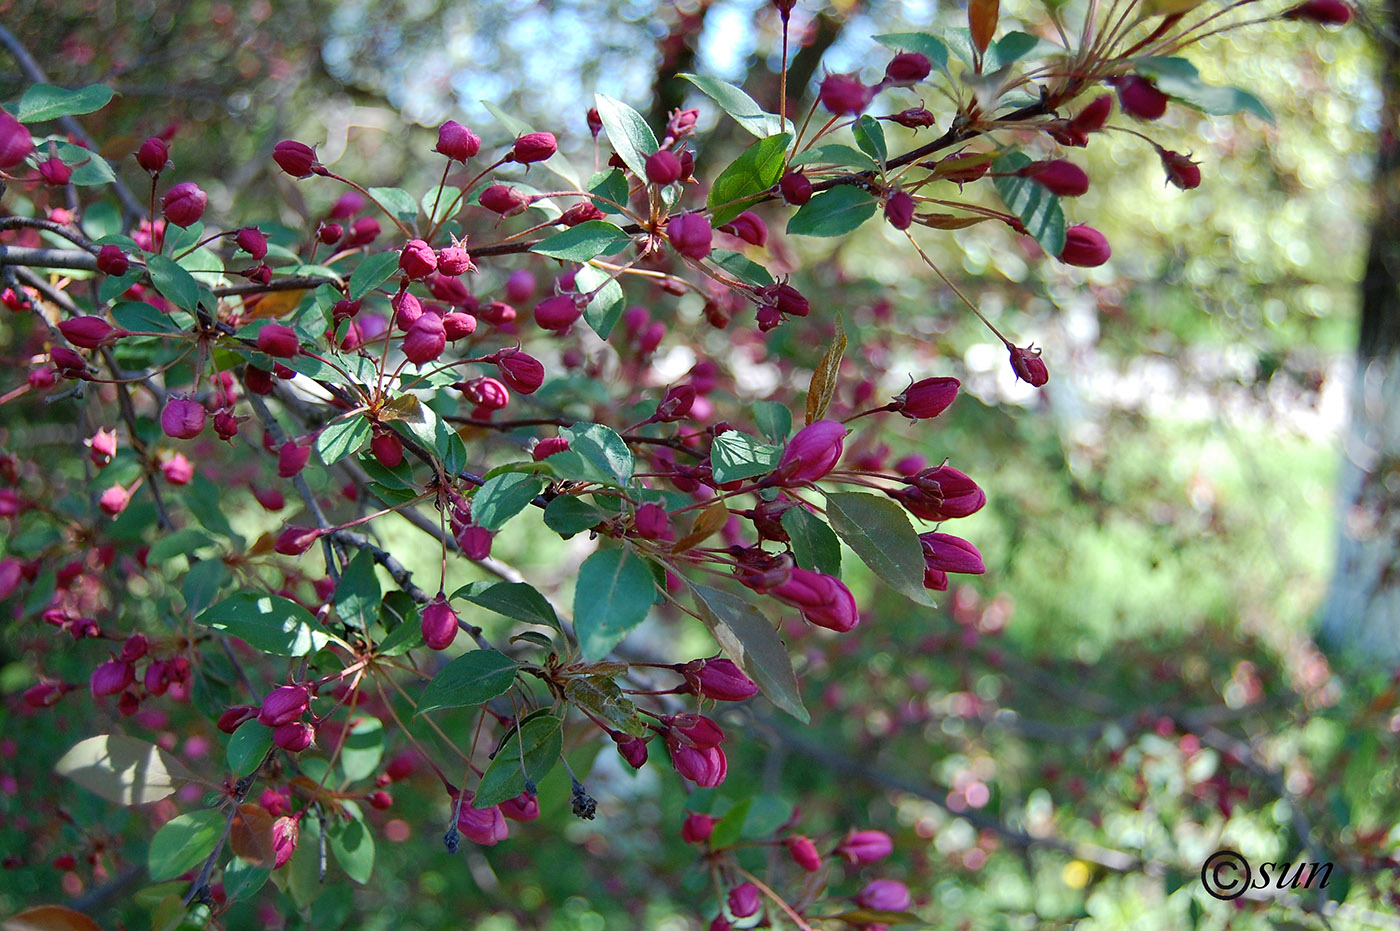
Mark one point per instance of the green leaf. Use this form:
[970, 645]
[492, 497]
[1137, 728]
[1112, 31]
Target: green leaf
[89, 168]
[567, 515]
[423, 423]
[340, 438]
[43, 102]
[605, 309]
[358, 595]
[247, 747]
[181, 542]
[735, 455]
[398, 202]
[1015, 46]
[611, 185]
[773, 420]
[583, 242]
[814, 545]
[745, 110]
[470, 679]
[399, 615]
[748, 638]
[880, 534]
[123, 769]
[836, 154]
[613, 594]
[202, 584]
[173, 282]
[364, 748]
[372, 271]
[513, 124]
[931, 47]
[503, 497]
[1031, 202]
[242, 878]
[183, 842]
[628, 132]
[269, 623]
[140, 317]
[744, 182]
[352, 844]
[603, 700]
[112, 288]
[1178, 78]
[870, 136]
[741, 267]
[518, 600]
[833, 213]
[596, 453]
[541, 742]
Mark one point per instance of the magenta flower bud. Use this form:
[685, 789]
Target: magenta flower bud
[823, 600]
[486, 392]
[652, 522]
[681, 123]
[812, 453]
[520, 286]
[407, 310]
[457, 325]
[927, 398]
[748, 227]
[329, 233]
[534, 147]
[1093, 117]
[524, 807]
[844, 94]
[279, 341]
[676, 404]
[804, 853]
[687, 158]
[457, 142]
[15, 141]
[346, 206]
[184, 204]
[864, 847]
[1058, 176]
[941, 493]
[786, 299]
[558, 312]
[294, 540]
[521, 371]
[475, 542]
[43, 695]
[89, 332]
[795, 188]
[1181, 170]
[1324, 12]
[1140, 97]
[54, 172]
[899, 210]
[294, 737]
[297, 159]
[111, 677]
[134, 647]
[912, 118]
[177, 470]
[345, 309]
[439, 624]
[690, 235]
[425, 340]
[252, 241]
[945, 553]
[695, 730]
[548, 447]
[719, 680]
[632, 749]
[363, 231]
[387, 448]
[907, 69]
[418, 260]
[284, 704]
[1028, 366]
[697, 828]
[11, 574]
[485, 826]
[1085, 247]
[454, 260]
[236, 716]
[182, 418]
[663, 167]
[111, 260]
[581, 213]
[285, 832]
[506, 201]
[706, 768]
[743, 900]
[885, 895]
[292, 458]
[273, 500]
[595, 122]
[719, 922]
[68, 362]
[153, 155]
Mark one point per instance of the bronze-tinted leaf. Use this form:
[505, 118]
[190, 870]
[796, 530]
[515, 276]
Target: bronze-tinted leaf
[982, 21]
[823, 384]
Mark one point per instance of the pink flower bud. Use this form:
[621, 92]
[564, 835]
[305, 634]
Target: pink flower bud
[475, 542]
[54, 172]
[153, 155]
[1181, 170]
[226, 425]
[795, 188]
[294, 540]
[812, 453]
[252, 241]
[183, 418]
[695, 730]
[548, 447]
[690, 235]
[256, 380]
[697, 828]
[632, 749]
[184, 204]
[506, 201]
[524, 807]
[786, 299]
[363, 231]
[15, 141]
[907, 69]
[329, 233]
[111, 677]
[43, 695]
[1085, 247]
[804, 853]
[913, 118]
[485, 826]
[11, 574]
[177, 470]
[439, 624]
[1058, 176]
[387, 448]
[844, 94]
[749, 227]
[823, 600]
[719, 680]
[676, 404]
[743, 900]
[294, 737]
[595, 122]
[534, 147]
[581, 213]
[1028, 366]
[284, 704]
[297, 159]
[111, 260]
[864, 847]
[652, 522]
[236, 716]
[944, 553]
[663, 167]
[681, 123]
[279, 341]
[285, 832]
[520, 286]
[522, 372]
[407, 310]
[1093, 117]
[1324, 12]
[558, 312]
[418, 260]
[884, 895]
[706, 768]
[346, 206]
[940, 493]
[272, 500]
[927, 398]
[454, 260]
[899, 210]
[457, 142]
[425, 339]
[458, 325]
[1140, 97]
[292, 458]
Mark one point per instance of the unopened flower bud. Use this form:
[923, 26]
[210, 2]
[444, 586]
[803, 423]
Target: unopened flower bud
[285, 832]
[534, 147]
[294, 737]
[718, 679]
[284, 704]
[884, 895]
[558, 312]
[548, 447]
[1181, 170]
[183, 418]
[749, 227]
[111, 677]
[907, 69]
[804, 853]
[1324, 12]
[681, 123]
[913, 118]
[177, 469]
[1028, 366]
[425, 339]
[523, 807]
[297, 159]
[1140, 97]
[55, 172]
[844, 94]
[233, 717]
[295, 540]
[1058, 176]
[652, 522]
[153, 155]
[507, 201]
[439, 624]
[663, 167]
[812, 453]
[632, 749]
[823, 600]
[90, 332]
[454, 260]
[457, 142]
[595, 122]
[387, 448]
[1085, 247]
[363, 231]
[927, 398]
[697, 828]
[184, 204]
[864, 847]
[795, 188]
[690, 235]
[279, 341]
[743, 900]
[111, 260]
[292, 458]
[15, 141]
[524, 373]
[418, 260]
[899, 210]
[252, 241]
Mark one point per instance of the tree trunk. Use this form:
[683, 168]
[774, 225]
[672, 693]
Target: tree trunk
[1362, 613]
